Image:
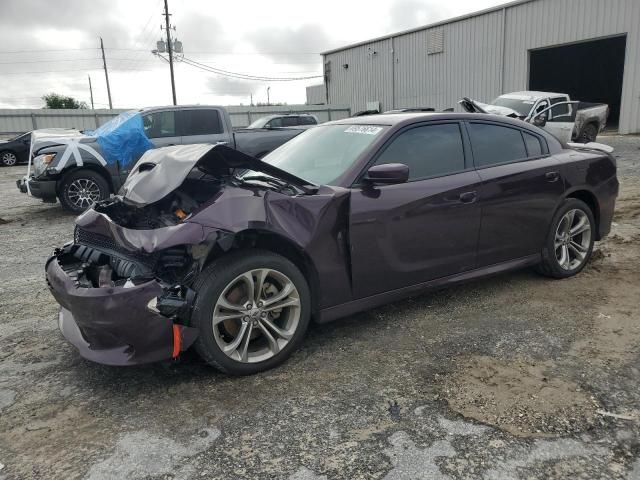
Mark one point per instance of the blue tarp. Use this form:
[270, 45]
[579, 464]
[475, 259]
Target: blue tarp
[122, 139]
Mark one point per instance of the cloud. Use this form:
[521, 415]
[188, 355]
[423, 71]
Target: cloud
[290, 44]
[225, 86]
[407, 14]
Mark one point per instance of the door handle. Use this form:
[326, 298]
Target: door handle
[468, 197]
[551, 176]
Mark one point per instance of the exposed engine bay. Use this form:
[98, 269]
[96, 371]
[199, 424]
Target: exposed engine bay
[196, 190]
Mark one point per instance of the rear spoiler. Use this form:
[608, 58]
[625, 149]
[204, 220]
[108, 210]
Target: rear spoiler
[591, 146]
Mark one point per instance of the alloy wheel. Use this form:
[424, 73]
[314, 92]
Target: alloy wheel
[9, 159]
[83, 192]
[572, 239]
[256, 315]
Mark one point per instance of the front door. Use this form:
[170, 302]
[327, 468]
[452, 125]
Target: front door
[161, 129]
[561, 119]
[406, 234]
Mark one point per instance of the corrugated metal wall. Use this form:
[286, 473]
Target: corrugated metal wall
[24, 120]
[316, 95]
[546, 23]
[476, 62]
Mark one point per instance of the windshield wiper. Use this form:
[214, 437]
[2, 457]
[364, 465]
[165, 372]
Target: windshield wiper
[278, 183]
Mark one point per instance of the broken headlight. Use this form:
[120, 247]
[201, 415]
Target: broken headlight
[42, 162]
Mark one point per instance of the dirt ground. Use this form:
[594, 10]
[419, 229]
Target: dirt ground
[516, 376]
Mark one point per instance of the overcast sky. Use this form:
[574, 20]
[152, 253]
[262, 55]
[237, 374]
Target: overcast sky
[51, 46]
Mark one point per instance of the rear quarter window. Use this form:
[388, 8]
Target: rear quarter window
[534, 146]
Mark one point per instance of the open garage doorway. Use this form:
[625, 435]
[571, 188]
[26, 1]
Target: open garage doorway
[590, 71]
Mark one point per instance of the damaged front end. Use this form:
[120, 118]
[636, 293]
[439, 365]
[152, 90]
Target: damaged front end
[124, 283]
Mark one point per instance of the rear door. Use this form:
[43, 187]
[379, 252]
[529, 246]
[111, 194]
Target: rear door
[521, 186]
[201, 125]
[406, 234]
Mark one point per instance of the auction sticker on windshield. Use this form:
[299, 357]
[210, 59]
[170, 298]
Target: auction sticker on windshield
[364, 129]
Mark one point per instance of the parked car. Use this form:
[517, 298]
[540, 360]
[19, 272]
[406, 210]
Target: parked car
[345, 217]
[567, 120]
[301, 120]
[15, 150]
[79, 169]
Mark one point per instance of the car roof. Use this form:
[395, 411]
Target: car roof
[177, 107]
[532, 95]
[403, 119]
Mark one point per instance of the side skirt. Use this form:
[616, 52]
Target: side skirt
[349, 308]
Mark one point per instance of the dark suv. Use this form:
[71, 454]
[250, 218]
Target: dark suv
[283, 121]
[213, 248]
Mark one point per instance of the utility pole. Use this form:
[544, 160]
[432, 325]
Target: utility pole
[106, 72]
[170, 49]
[91, 92]
[268, 101]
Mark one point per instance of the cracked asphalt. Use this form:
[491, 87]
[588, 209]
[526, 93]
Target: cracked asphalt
[516, 376]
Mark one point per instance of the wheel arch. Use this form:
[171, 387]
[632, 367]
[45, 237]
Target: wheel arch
[99, 169]
[281, 245]
[591, 200]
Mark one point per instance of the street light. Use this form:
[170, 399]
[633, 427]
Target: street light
[268, 102]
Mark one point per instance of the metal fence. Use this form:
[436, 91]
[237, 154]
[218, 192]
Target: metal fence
[14, 121]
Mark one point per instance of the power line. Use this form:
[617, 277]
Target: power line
[44, 51]
[244, 76]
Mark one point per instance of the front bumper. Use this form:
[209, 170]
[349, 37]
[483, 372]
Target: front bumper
[113, 325]
[44, 189]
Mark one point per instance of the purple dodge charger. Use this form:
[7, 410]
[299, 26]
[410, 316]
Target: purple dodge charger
[207, 247]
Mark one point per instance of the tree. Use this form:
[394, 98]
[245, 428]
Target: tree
[54, 100]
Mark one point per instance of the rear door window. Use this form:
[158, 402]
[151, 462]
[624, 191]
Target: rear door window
[290, 122]
[201, 122]
[307, 120]
[160, 124]
[560, 113]
[495, 144]
[428, 151]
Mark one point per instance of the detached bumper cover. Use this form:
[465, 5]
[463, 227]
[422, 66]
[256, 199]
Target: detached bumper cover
[113, 326]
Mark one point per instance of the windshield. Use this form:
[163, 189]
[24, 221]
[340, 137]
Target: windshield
[322, 154]
[523, 107]
[19, 137]
[259, 123]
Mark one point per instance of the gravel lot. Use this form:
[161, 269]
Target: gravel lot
[517, 376]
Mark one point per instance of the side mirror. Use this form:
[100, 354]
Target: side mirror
[388, 173]
[540, 120]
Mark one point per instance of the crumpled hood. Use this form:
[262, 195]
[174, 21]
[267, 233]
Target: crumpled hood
[160, 171]
[473, 106]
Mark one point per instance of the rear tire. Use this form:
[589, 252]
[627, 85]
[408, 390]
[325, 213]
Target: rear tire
[8, 159]
[81, 188]
[266, 303]
[570, 240]
[589, 133]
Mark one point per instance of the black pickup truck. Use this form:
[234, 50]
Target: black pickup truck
[81, 168]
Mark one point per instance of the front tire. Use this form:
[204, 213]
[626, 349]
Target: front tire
[82, 188]
[569, 244]
[252, 310]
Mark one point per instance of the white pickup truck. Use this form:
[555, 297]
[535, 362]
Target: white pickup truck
[564, 118]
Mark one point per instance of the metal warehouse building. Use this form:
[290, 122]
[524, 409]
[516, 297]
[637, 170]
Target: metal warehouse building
[587, 48]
